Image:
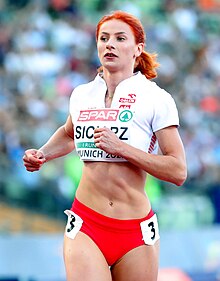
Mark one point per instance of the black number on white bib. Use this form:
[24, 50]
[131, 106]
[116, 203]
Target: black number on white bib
[71, 222]
[73, 225]
[152, 228]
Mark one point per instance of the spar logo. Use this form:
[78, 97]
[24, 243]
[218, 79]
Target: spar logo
[105, 114]
[98, 115]
[125, 116]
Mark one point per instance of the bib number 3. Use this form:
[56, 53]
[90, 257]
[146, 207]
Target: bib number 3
[74, 223]
[150, 230]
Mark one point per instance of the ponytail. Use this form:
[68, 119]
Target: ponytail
[146, 63]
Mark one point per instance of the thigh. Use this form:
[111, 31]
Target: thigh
[139, 264]
[83, 260]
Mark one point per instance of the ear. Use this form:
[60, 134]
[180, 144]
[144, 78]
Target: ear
[139, 49]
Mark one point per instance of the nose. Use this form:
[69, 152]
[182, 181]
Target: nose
[110, 45]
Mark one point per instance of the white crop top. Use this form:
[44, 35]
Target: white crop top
[139, 108]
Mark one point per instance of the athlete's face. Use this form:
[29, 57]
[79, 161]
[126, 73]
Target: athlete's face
[117, 49]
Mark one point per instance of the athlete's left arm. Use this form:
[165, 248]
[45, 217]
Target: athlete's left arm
[170, 166]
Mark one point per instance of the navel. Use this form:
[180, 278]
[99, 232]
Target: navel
[110, 203]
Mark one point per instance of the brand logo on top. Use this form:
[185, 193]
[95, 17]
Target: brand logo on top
[98, 115]
[125, 116]
[105, 115]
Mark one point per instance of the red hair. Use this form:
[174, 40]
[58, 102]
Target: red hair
[146, 63]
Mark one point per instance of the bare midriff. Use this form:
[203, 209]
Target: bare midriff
[114, 189]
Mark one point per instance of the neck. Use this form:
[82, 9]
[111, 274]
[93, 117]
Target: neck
[109, 95]
[112, 80]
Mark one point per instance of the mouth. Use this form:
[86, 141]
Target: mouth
[110, 55]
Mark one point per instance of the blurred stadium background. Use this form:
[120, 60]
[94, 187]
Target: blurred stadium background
[47, 48]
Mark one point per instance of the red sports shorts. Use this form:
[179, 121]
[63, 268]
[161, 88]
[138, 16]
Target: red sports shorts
[114, 237]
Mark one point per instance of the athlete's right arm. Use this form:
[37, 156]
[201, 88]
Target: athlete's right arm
[59, 144]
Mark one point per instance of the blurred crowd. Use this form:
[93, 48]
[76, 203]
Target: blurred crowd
[47, 48]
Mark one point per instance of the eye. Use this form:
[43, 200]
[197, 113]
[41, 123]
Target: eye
[103, 38]
[120, 38]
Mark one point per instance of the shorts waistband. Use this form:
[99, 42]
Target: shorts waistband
[121, 224]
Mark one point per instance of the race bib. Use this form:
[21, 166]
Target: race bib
[150, 230]
[118, 120]
[74, 223]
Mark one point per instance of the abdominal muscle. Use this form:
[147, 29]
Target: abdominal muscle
[114, 189]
